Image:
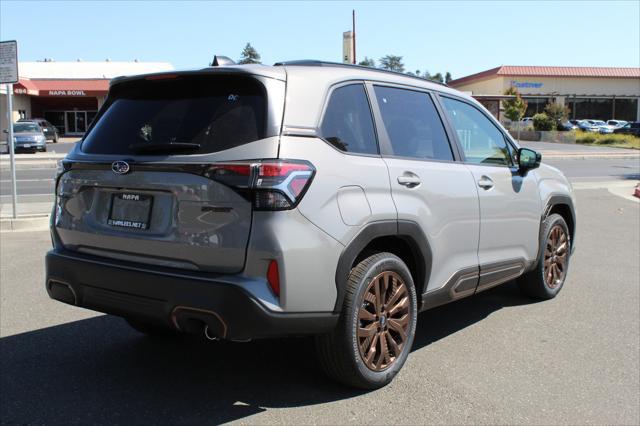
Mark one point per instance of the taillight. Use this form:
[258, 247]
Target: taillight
[272, 185]
[273, 277]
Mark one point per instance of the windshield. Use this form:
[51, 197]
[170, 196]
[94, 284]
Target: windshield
[599, 123]
[26, 128]
[213, 113]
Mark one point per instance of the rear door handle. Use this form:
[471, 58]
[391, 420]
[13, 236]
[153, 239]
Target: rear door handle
[409, 180]
[485, 182]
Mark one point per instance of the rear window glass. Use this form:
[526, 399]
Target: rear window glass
[347, 122]
[207, 113]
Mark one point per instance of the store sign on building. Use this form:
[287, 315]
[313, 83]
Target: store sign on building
[67, 93]
[526, 84]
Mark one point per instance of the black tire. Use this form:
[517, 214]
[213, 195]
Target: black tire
[43, 149]
[151, 330]
[55, 139]
[536, 283]
[339, 352]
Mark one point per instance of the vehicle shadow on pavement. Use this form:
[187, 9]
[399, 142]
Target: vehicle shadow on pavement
[99, 370]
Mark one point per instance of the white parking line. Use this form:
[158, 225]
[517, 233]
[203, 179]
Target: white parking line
[26, 180]
[48, 194]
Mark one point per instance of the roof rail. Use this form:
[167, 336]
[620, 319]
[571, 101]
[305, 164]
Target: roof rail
[319, 63]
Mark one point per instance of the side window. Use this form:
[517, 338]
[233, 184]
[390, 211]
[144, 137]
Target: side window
[412, 123]
[347, 123]
[481, 140]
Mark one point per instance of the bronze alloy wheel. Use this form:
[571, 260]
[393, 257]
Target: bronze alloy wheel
[555, 257]
[383, 321]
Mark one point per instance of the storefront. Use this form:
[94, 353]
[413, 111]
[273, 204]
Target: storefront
[601, 93]
[68, 94]
[70, 105]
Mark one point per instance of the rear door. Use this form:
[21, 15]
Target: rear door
[159, 178]
[428, 185]
[510, 207]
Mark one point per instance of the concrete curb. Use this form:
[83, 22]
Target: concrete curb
[581, 156]
[25, 223]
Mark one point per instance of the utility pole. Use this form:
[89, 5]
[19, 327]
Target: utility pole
[353, 30]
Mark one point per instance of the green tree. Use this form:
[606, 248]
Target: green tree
[367, 62]
[392, 63]
[447, 77]
[437, 77]
[557, 113]
[514, 108]
[249, 55]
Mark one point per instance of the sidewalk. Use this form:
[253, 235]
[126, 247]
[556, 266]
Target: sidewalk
[42, 160]
[31, 216]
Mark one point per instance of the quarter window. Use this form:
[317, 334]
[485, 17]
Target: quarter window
[482, 142]
[347, 122]
[413, 125]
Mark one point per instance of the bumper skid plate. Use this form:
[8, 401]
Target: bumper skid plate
[172, 298]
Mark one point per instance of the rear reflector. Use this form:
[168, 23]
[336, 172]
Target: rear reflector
[273, 277]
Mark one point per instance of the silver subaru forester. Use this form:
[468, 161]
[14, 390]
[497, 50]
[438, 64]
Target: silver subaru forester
[304, 198]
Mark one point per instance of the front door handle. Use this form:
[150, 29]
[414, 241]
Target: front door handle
[409, 180]
[485, 182]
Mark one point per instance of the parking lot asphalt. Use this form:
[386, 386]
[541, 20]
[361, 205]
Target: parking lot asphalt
[495, 358]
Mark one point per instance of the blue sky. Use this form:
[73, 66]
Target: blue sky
[460, 37]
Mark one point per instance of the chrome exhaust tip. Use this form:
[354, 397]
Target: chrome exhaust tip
[208, 335]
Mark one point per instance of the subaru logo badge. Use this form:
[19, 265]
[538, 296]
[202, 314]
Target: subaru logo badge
[120, 167]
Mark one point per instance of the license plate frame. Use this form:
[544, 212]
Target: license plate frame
[130, 210]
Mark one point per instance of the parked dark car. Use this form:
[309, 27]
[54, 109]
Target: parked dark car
[631, 128]
[50, 131]
[567, 125]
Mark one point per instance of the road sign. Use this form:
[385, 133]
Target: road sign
[8, 62]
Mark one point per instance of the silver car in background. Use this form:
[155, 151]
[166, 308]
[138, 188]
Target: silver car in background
[29, 136]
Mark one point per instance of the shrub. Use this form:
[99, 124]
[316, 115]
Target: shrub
[584, 137]
[557, 113]
[625, 141]
[542, 122]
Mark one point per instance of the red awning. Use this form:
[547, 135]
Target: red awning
[73, 88]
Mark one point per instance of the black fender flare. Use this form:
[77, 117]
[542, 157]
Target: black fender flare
[407, 230]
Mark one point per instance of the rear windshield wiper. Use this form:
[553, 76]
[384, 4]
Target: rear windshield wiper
[164, 148]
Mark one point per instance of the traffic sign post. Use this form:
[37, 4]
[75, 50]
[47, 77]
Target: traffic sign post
[9, 75]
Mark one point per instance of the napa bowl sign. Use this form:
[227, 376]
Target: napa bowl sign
[67, 93]
[525, 84]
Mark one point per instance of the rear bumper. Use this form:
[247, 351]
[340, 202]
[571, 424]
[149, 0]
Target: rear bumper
[164, 296]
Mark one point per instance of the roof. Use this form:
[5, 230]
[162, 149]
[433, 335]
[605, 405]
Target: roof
[84, 70]
[88, 87]
[318, 63]
[544, 71]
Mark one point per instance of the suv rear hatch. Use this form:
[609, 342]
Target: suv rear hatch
[140, 186]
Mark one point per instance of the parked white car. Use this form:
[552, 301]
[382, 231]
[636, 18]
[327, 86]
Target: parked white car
[616, 124]
[603, 128]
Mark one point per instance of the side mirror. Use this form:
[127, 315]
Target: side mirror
[528, 159]
[5, 131]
